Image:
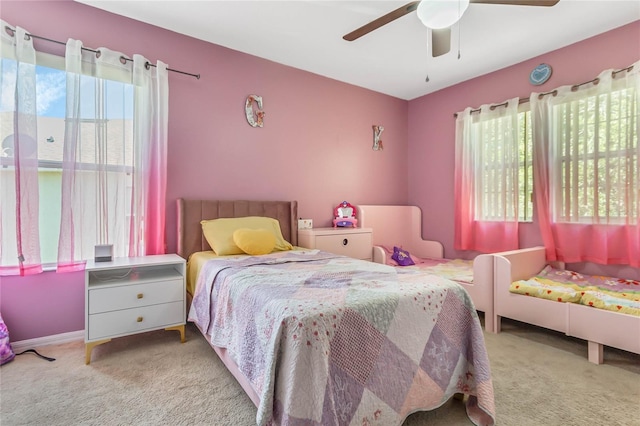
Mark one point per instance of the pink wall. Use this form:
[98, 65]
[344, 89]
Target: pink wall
[315, 146]
[432, 127]
[45, 305]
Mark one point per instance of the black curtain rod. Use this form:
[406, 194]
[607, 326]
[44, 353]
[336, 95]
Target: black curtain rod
[123, 58]
[553, 92]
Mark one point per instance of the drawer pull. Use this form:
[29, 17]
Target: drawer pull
[345, 242]
[139, 319]
[140, 295]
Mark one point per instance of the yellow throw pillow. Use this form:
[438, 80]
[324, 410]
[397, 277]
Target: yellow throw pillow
[219, 233]
[254, 241]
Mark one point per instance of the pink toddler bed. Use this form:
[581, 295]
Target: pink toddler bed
[602, 310]
[401, 226]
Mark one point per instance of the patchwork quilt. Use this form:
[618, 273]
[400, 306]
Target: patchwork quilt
[329, 340]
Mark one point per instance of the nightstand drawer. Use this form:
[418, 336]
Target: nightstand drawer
[123, 322]
[135, 295]
[353, 245]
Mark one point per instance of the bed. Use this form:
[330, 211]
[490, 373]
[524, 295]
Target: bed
[598, 327]
[357, 343]
[402, 226]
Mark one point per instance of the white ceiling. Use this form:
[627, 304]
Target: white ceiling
[394, 59]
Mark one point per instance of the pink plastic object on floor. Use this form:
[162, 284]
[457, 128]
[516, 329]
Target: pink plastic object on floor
[6, 352]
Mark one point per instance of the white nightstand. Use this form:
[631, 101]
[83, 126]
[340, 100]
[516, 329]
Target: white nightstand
[352, 242]
[132, 295]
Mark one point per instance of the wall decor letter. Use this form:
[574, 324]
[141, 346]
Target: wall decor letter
[256, 120]
[377, 142]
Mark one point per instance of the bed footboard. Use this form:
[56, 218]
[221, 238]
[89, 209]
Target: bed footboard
[518, 265]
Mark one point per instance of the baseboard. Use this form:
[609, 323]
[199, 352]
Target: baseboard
[55, 339]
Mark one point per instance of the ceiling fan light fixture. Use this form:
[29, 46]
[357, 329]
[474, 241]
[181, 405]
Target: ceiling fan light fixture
[439, 14]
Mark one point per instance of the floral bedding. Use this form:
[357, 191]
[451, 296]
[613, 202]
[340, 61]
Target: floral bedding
[329, 340]
[614, 294]
[459, 270]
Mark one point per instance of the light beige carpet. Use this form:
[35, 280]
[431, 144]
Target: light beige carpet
[540, 378]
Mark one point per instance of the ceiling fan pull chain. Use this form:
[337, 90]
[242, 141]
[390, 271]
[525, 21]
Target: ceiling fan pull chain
[426, 80]
[459, 26]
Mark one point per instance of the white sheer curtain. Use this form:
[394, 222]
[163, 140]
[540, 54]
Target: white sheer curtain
[19, 156]
[587, 169]
[151, 106]
[486, 178]
[113, 185]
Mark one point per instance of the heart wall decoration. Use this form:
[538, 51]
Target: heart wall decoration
[540, 74]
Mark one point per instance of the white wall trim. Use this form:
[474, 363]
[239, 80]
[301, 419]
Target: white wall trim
[55, 339]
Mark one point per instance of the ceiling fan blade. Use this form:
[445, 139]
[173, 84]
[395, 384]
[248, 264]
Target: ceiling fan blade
[547, 3]
[440, 41]
[383, 20]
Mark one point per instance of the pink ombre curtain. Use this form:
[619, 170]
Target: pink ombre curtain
[147, 235]
[486, 178]
[114, 167]
[587, 169]
[19, 191]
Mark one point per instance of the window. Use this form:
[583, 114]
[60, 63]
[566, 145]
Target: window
[496, 162]
[582, 141]
[596, 172]
[487, 177]
[586, 144]
[110, 162]
[106, 141]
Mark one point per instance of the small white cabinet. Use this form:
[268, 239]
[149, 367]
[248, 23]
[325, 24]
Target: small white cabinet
[133, 295]
[352, 242]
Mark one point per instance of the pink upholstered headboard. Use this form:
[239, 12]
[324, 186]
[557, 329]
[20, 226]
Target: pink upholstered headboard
[191, 212]
[398, 225]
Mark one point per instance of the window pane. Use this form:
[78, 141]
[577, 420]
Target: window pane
[525, 167]
[496, 164]
[597, 147]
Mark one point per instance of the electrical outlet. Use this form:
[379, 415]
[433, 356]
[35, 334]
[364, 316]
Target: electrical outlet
[305, 223]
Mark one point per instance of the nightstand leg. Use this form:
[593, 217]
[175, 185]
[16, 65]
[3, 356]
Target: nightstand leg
[88, 347]
[179, 328]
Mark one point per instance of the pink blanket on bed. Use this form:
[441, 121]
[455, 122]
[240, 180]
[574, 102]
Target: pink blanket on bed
[328, 340]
